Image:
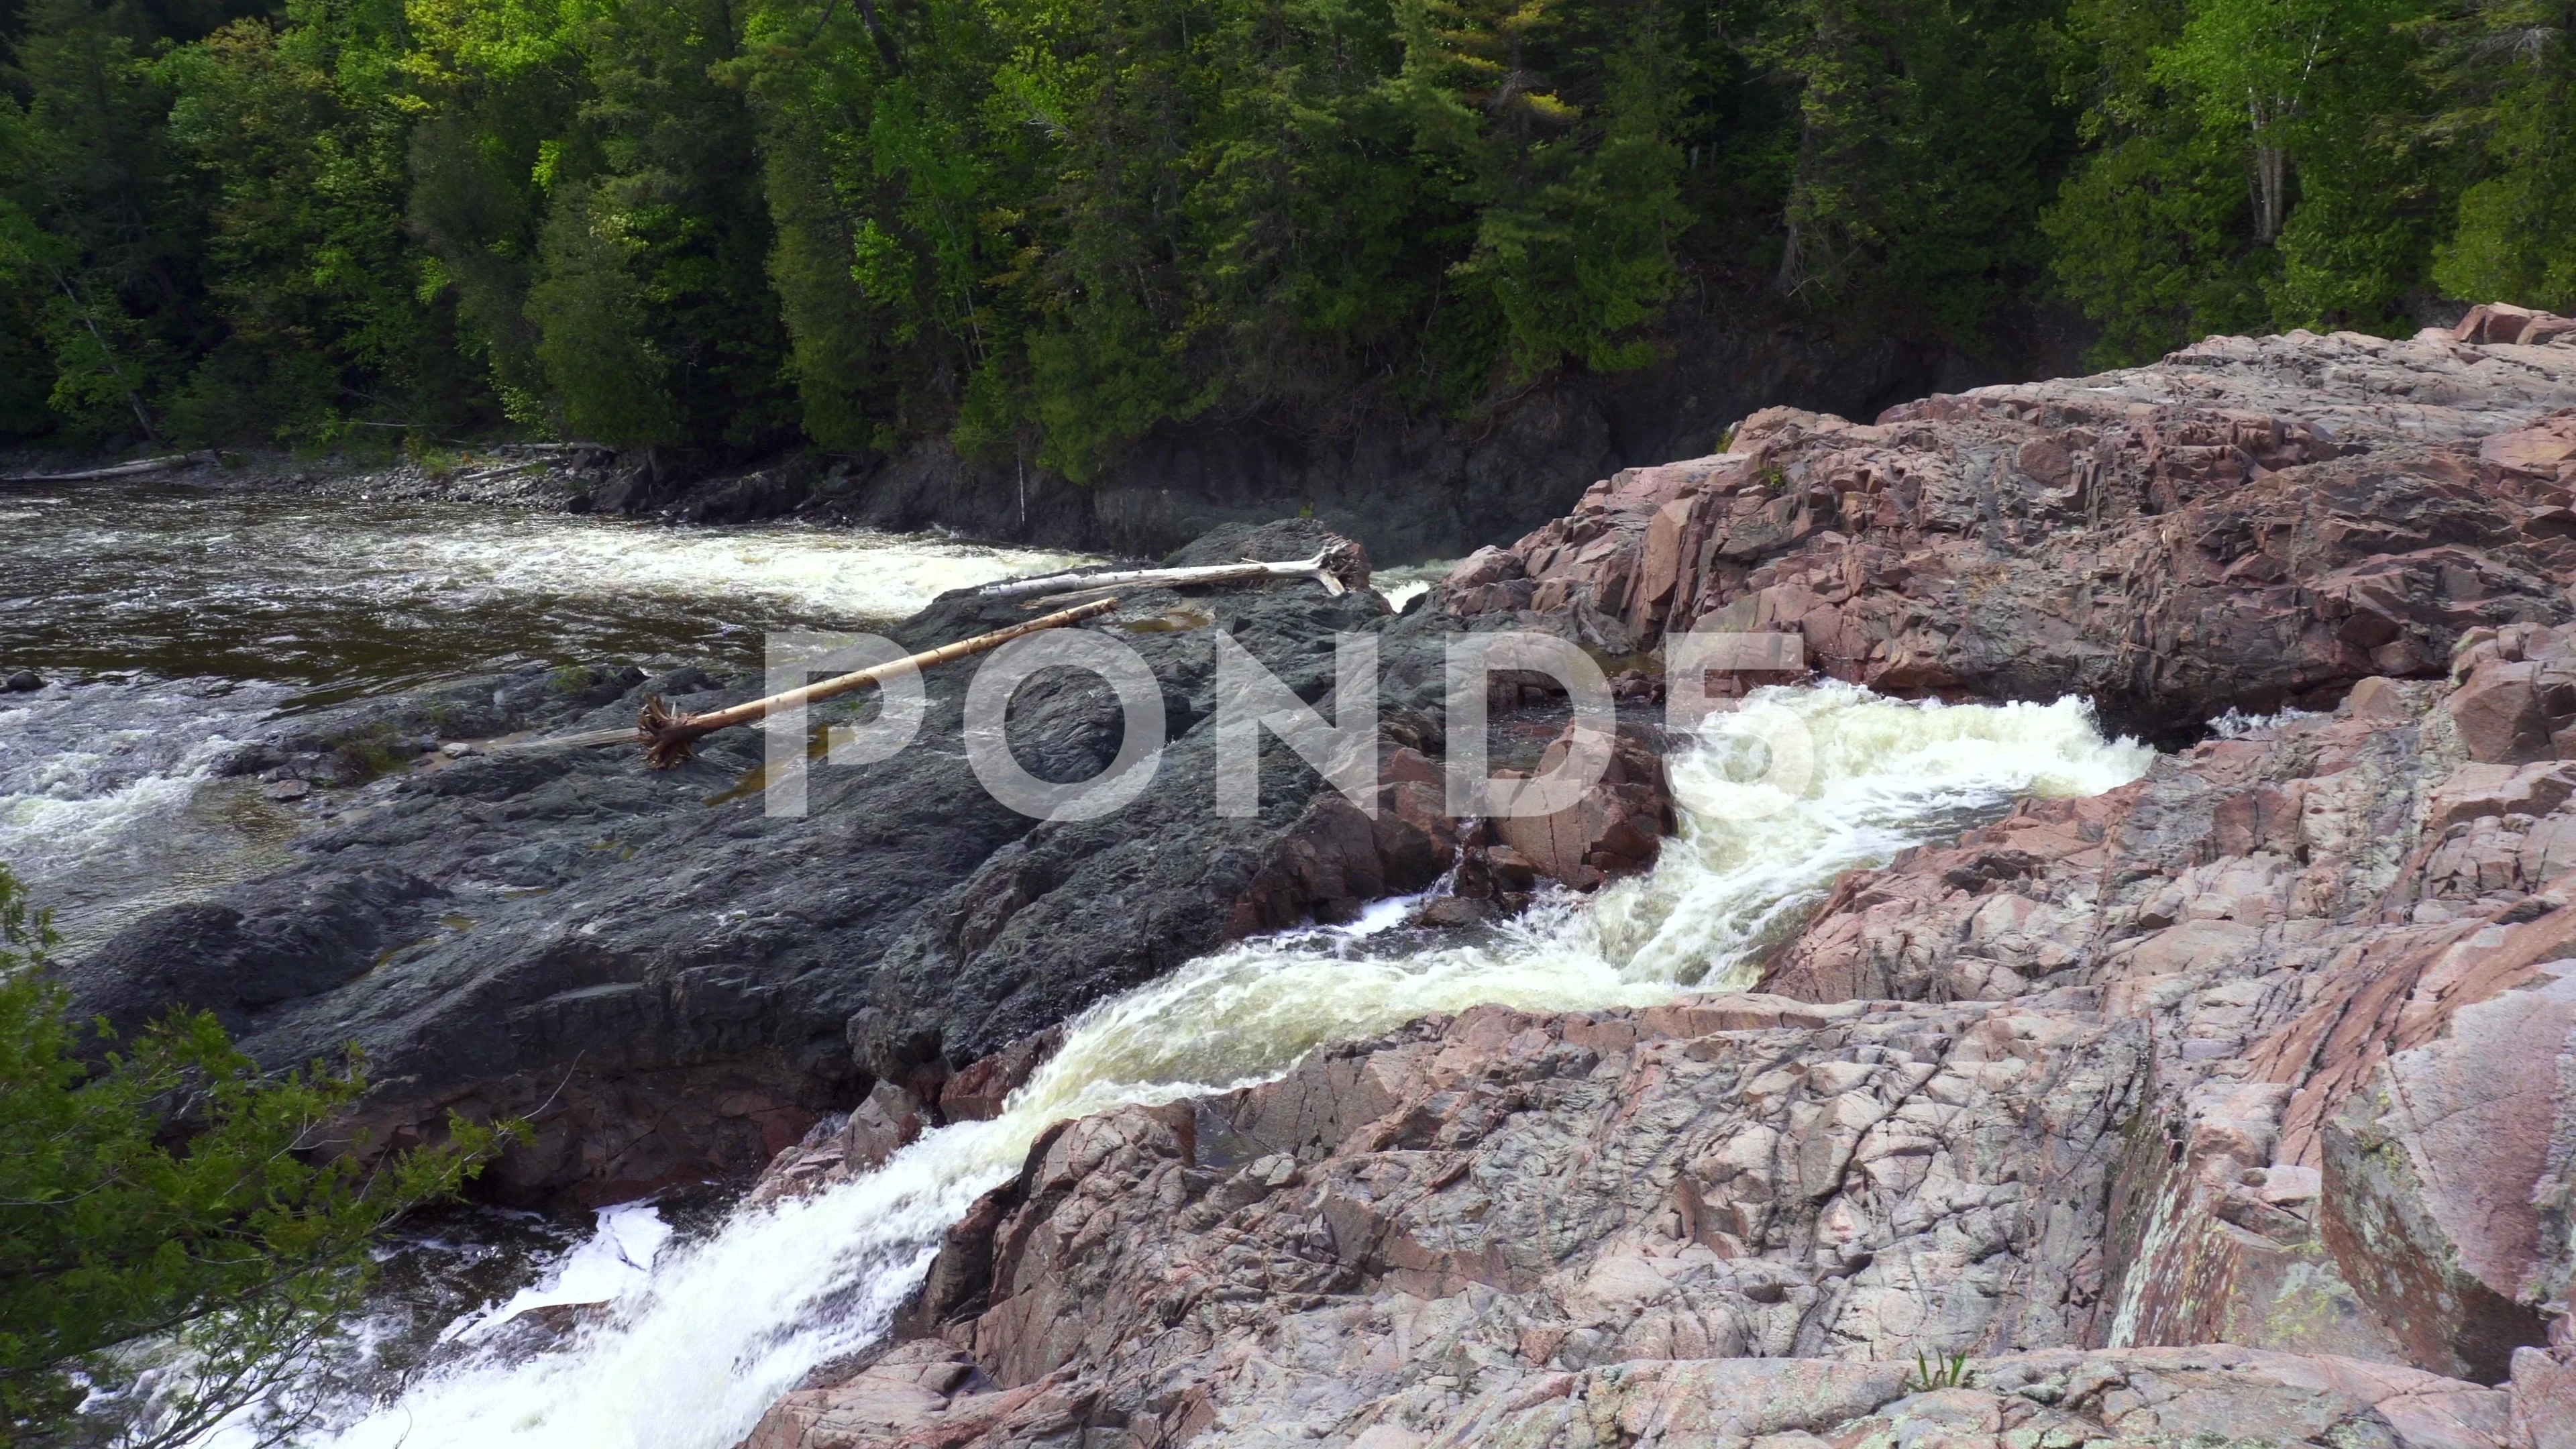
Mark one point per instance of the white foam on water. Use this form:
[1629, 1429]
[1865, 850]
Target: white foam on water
[98, 788]
[827, 573]
[288, 555]
[722, 1328]
[1403, 583]
[612, 1261]
[2236, 724]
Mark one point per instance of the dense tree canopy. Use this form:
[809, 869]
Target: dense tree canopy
[1041, 227]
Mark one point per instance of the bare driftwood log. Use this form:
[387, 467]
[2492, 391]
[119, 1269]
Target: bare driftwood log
[120, 470]
[1071, 585]
[669, 736]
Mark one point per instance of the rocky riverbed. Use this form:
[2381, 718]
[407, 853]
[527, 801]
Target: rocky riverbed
[2226, 1092]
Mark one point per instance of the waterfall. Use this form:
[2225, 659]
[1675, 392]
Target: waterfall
[694, 1353]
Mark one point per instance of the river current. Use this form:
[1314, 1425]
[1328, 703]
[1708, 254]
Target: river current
[167, 621]
[697, 1333]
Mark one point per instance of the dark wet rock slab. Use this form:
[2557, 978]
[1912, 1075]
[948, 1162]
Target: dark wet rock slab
[675, 983]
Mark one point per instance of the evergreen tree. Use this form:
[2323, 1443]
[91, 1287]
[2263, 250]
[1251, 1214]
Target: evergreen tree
[2505, 69]
[655, 322]
[2252, 167]
[299, 131]
[1925, 136]
[99, 232]
[1040, 229]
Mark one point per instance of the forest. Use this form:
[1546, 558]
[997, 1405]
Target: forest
[1040, 228]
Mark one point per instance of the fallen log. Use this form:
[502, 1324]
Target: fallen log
[670, 736]
[120, 470]
[1070, 584]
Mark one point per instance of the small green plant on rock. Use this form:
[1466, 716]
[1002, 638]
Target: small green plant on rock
[1938, 1372]
[439, 463]
[373, 750]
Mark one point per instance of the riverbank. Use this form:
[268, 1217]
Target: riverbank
[1408, 488]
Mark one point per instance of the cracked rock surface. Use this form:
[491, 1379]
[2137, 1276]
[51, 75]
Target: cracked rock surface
[2246, 524]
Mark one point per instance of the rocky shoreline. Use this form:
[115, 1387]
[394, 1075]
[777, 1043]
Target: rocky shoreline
[2239, 1100]
[678, 984]
[1408, 487]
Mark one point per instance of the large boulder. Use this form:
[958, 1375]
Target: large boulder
[1733, 1218]
[2517, 692]
[2246, 524]
[1616, 827]
[927, 1393]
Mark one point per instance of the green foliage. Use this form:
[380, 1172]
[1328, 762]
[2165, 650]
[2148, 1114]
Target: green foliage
[1050, 227]
[2147, 241]
[166, 1204]
[488, 85]
[1926, 137]
[2253, 164]
[99, 227]
[592, 317]
[657, 323]
[305, 154]
[2505, 70]
[1940, 1371]
[1041, 229]
[371, 750]
[1575, 193]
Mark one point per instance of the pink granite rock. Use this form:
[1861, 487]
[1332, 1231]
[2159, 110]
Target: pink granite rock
[1615, 829]
[2249, 522]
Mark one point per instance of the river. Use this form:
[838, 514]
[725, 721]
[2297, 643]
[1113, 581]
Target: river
[702, 1330]
[168, 620]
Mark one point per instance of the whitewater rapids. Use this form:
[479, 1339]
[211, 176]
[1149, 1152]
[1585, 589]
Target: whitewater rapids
[720, 1329]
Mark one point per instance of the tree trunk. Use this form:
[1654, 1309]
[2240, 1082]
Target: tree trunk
[2271, 175]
